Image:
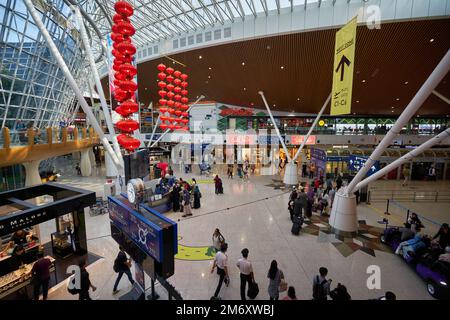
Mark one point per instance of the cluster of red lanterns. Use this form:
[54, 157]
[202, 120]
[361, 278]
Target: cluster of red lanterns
[125, 88]
[173, 103]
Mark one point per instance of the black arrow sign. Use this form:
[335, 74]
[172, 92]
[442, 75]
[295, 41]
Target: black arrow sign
[341, 66]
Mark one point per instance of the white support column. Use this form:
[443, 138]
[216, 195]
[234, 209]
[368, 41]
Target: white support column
[32, 176]
[85, 163]
[98, 84]
[167, 131]
[70, 79]
[407, 157]
[154, 130]
[343, 214]
[433, 80]
[441, 96]
[312, 127]
[290, 171]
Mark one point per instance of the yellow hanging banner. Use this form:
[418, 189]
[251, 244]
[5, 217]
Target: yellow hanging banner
[344, 60]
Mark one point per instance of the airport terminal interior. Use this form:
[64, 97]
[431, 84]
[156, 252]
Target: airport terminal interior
[224, 150]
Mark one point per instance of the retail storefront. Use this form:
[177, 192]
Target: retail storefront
[21, 213]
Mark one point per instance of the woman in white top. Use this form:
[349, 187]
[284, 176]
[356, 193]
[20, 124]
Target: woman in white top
[217, 239]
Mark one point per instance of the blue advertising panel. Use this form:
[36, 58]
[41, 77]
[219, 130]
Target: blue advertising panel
[144, 233]
[357, 162]
[336, 159]
[139, 276]
[319, 159]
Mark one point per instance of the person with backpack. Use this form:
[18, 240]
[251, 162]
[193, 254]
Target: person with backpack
[321, 285]
[122, 265]
[275, 276]
[221, 262]
[340, 293]
[246, 272]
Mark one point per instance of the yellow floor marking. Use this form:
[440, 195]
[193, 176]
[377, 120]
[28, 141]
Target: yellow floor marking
[189, 253]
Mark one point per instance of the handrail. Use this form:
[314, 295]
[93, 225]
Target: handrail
[410, 210]
[439, 195]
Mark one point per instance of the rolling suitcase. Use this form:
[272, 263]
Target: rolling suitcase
[296, 225]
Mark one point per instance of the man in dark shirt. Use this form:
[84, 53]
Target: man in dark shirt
[122, 265]
[19, 237]
[41, 276]
[85, 283]
[443, 235]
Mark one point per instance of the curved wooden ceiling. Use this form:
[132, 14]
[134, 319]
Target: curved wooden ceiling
[295, 70]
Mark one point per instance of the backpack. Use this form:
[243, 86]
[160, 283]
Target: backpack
[318, 290]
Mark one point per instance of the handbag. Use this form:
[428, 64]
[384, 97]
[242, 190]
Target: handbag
[283, 286]
[253, 290]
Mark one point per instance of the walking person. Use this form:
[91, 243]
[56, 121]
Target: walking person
[321, 285]
[186, 202]
[230, 171]
[221, 262]
[175, 194]
[290, 294]
[406, 173]
[85, 284]
[218, 185]
[41, 276]
[197, 196]
[275, 276]
[122, 266]
[217, 239]
[310, 202]
[246, 272]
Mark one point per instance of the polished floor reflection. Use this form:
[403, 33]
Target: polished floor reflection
[252, 215]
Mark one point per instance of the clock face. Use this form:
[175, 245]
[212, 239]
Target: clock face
[131, 193]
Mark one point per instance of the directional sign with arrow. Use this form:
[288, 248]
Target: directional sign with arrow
[344, 61]
[341, 66]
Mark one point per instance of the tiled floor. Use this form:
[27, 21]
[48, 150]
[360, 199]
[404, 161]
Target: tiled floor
[254, 215]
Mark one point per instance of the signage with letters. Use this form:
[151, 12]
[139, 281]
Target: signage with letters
[298, 140]
[344, 62]
[357, 162]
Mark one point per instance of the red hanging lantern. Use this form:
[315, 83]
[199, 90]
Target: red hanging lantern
[163, 110]
[125, 29]
[185, 128]
[116, 67]
[161, 67]
[178, 127]
[171, 126]
[184, 84]
[117, 82]
[178, 113]
[128, 69]
[119, 18]
[170, 103]
[162, 93]
[171, 111]
[185, 121]
[126, 48]
[177, 89]
[177, 104]
[170, 78]
[162, 102]
[128, 85]
[177, 97]
[184, 100]
[124, 8]
[170, 87]
[129, 107]
[185, 114]
[163, 118]
[177, 74]
[162, 76]
[162, 84]
[170, 70]
[163, 126]
[184, 77]
[184, 92]
[115, 28]
[184, 107]
[170, 95]
[120, 76]
[127, 125]
[177, 82]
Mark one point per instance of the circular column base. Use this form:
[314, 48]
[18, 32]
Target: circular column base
[290, 174]
[344, 218]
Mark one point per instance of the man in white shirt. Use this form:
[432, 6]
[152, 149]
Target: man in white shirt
[246, 270]
[221, 262]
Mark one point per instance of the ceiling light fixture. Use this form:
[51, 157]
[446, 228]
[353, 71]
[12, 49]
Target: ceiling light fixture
[363, 81]
[357, 101]
[431, 40]
[282, 67]
[398, 99]
[245, 89]
[209, 77]
[210, 68]
[200, 57]
[298, 99]
[243, 63]
[406, 82]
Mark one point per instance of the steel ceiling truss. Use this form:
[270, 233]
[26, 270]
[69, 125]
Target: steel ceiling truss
[155, 20]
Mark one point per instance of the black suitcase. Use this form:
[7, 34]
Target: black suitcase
[296, 225]
[253, 290]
